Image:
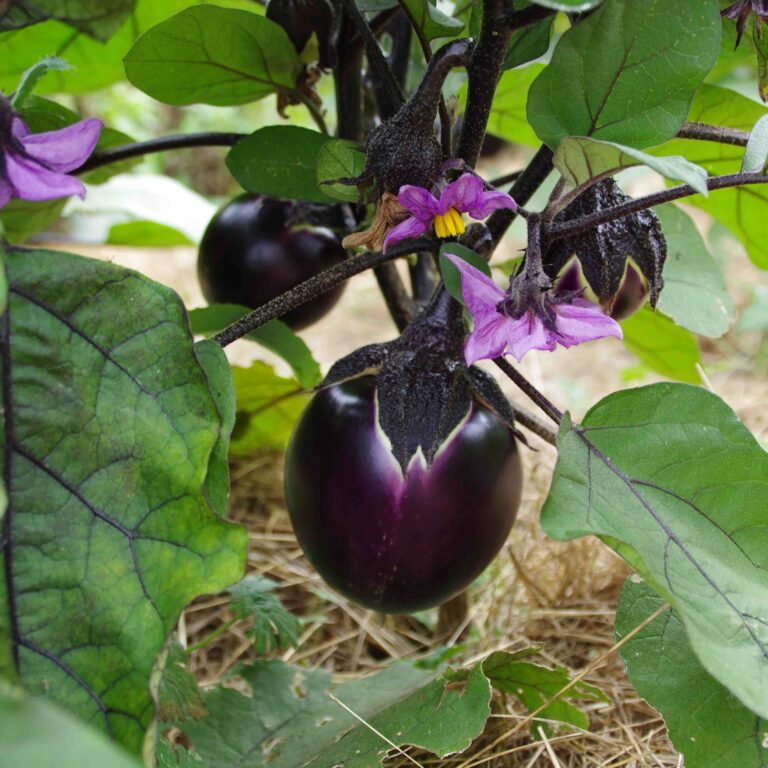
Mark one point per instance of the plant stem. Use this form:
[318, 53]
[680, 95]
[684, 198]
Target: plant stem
[348, 85]
[315, 112]
[390, 88]
[704, 132]
[507, 178]
[522, 190]
[208, 639]
[423, 276]
[162, 144]
[534, 424]
[525, 386]
[576, 226]
[316, 286]
[398, 301]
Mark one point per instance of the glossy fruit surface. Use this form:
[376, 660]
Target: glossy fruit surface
[392, 544]
[256, 248]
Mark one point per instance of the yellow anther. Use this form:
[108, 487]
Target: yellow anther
[440, 228]
[458, 222]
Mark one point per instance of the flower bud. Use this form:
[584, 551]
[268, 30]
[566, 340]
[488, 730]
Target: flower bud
[620, 261]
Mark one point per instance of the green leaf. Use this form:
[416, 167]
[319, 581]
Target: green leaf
[268, 408]
[291, 719]
[339, 159]
[761, 48]
[451, 275]
[534, 685]
[662, 346]
[528, 43]
[273, 627]
[112, 441]
[97, 18]
[709, 725]
[146, 234]
[32, 76]
[508, 119]
[168, 756]
[756, 152]
[20, 219]
[755, 316]
[36, 733]
[671, 479]
[178, 696]
[694, 295]
[280, 160]
[744, 210]
[95, 64]
[275, 336]
[583, 161]
[626, 73]
[210, 55]
[432, 22]
[571, 6]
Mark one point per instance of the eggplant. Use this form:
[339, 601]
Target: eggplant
[403, 476]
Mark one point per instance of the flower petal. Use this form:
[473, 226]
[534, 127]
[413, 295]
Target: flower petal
[529, 333]
[582, 321]
[65, 149]
[411, 227]
[489, 201]
[462, 194]
[419, 201]
[19, 128]
[480, 293]
[488, 338]
[33, 182]
[6, 192]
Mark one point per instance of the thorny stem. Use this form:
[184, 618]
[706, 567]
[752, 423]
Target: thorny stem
[445, 118]
[484, 71]
[525, 386]
[390, 87]
[318, 285]
[717, 133]
[182, 141]
[522, 190]
[575, 226]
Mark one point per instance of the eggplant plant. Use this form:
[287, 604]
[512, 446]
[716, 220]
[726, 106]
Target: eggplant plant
[404, 463]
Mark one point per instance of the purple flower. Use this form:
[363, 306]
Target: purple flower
[35, 166]
[528, 316]
[739, 12]
[468, 194]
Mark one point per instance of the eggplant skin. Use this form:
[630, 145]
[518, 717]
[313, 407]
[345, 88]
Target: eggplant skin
[392, 544]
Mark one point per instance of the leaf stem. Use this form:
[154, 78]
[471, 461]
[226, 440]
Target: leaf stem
[161, 144]
[576, 226]
[208, 639]
[318, 285]
[717, 133]
[525, 386]
[315, 112]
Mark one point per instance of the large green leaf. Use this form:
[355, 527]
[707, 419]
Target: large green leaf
[627, 73]
[291, 721]
[694, 295]
[115, 442]
[35, 733]
[676, 484]
[583, 161]
[280, 160]
[572, 6]
[339, 159]
[95, 64]
[707, 723]
[662, 346]
[744, 210]
[210, 55]
[508, 119]
[97, 18]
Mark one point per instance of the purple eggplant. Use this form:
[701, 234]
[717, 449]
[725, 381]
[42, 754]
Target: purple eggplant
[403, 476]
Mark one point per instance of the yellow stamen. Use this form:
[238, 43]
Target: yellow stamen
[449, 224]
[457, 220]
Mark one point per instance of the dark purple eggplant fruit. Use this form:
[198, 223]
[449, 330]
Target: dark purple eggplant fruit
[257, 247]
[403, 476]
